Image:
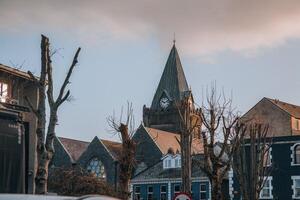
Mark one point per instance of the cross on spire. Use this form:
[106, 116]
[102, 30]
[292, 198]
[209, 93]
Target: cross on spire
[174, 38]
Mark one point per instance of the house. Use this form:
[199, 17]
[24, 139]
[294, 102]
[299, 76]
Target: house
[163, 179]
[17, 131]
[284, 155]
[99, 156]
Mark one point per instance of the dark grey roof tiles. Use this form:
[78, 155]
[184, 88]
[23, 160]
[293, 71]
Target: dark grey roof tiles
[173, 82]
[157, 171]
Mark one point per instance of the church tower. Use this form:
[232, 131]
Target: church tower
[172, 88]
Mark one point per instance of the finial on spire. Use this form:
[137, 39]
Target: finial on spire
[174, 39]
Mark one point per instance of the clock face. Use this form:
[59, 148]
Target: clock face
[164, 102]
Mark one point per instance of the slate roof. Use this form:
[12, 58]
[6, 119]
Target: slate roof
[164, 140]
[291, 109]
[157, 172]
[172, 81]
[114, 148]
[74, 147]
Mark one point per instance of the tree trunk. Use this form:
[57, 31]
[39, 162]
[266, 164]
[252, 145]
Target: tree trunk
[42, 172]
[186, 163]
[216, 191]
[45, 149]
[126, 161]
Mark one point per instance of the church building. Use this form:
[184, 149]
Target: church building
[156, 138]
[172, 88]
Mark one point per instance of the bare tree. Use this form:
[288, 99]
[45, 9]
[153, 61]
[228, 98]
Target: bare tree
[219, 120]
[44, 148]
[252, 164]
[189, 126]
[127, 157]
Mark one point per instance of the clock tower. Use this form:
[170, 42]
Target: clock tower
[172, 88]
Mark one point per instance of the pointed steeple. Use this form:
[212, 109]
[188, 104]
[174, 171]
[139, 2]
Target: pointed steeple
[172, 84]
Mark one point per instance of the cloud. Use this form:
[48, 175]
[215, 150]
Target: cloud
[202, 27]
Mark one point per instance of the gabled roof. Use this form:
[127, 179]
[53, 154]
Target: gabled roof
[165, 140]
[74, 147]
[172, 82]
[291, 109]
[114, 148]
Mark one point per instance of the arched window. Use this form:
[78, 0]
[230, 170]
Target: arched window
[297, 154]
[96, 167]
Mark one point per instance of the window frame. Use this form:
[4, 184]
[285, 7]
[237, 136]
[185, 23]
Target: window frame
[177, 184]
[294, 178]
[177, 162]
[270, 188]
[104, 175]
[8, 92]
[150, 193]
[165, 193]
[136, 193]
[293, 154]
[203, 191]
[269, 157]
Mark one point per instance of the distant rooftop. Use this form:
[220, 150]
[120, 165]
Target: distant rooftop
[14, 71]
[291, 109]
[115, 148]
[74, 147]
[166, 140]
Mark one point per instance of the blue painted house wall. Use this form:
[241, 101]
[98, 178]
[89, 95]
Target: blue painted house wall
[283, 170]
[157, 186]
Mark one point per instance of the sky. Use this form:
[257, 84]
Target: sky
[249, 48]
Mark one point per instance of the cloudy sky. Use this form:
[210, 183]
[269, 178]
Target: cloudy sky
[250, 48]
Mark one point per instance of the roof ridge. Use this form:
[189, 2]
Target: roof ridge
[72, 139]
[110, 141]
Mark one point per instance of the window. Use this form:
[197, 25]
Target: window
[176, 189]
[163, 192]
[203, 191]
[295, 154]
[177, 163]
[150, 193]
[266, 192]
[296, 187]
[169, 163]
[267, 156]
[137, 193]
[3, 91]
[297, 124]
[96, 167]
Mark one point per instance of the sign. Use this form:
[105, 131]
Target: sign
[182, 196]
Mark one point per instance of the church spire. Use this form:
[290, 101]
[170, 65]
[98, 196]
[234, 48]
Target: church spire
[172, 84]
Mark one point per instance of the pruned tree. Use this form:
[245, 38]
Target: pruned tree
[190, 123]
[252, 164]
[219, 120]
[44, 144]
[127, 158]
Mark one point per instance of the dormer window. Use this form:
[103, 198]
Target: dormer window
[3, 91]
[171, 161]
